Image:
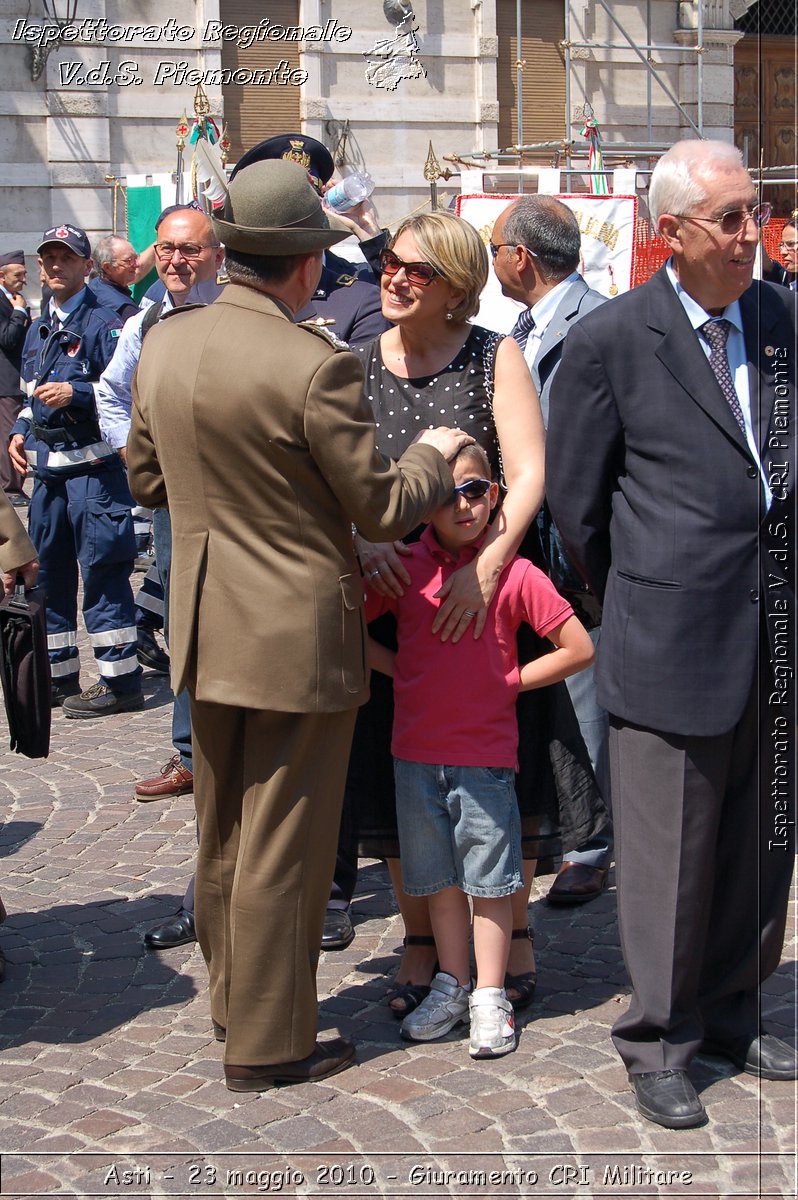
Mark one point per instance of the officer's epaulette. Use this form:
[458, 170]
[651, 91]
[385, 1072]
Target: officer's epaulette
[172, 312]
[313, 326]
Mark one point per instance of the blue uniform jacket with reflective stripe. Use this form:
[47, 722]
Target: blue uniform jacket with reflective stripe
[76, 354]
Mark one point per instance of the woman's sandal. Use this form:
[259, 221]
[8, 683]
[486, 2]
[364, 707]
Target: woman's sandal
[525, 983]
[411, 994]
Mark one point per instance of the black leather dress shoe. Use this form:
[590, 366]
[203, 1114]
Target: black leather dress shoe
[149, 653]
[328, 1058]
[338, 929]
[668, 1098]
[178, 931]
[765, 1055]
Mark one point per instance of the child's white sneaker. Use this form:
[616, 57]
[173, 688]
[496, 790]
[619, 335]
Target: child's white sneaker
[444, 1007]
[492, 1023]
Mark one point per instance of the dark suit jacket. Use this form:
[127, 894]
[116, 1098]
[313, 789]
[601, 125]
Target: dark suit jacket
[577, 301]
[660, 502]
[112, 296]
[776, 273]
[14, 323]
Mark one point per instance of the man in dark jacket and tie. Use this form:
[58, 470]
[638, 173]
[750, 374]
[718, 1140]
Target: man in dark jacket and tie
[670, 475]
[14, 322]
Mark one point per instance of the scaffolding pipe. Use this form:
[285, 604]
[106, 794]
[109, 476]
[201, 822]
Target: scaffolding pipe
[519, 76]
[700, 80]
[567, 32]
[643, 59]
[626, 46]
[649, 93]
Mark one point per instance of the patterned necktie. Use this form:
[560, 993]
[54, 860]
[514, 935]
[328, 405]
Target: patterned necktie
[523, 327]
[55, 322]
[717, 334]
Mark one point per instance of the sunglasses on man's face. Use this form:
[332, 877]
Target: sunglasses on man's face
[419, 273]
[472, 489]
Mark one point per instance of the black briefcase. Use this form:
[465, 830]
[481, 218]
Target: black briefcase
[25, 670]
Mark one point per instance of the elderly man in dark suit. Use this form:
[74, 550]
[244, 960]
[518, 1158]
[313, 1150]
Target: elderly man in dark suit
[266, 603]
[670, 474]
[14, 322]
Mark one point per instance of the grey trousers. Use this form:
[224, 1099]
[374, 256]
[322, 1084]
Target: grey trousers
[702, 884]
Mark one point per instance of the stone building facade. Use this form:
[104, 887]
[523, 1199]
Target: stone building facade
[104, 98]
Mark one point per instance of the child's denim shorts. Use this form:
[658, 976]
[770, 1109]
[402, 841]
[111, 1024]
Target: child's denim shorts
[458, 827]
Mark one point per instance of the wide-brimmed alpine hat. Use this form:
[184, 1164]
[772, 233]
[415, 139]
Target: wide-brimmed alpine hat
[271, 208]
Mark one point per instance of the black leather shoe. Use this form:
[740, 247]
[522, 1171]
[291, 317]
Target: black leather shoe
[765, 1055]
[61, 690]
[179, 931]
[338, 929]
[328, 1058]
[149, 653]
[668, 1098]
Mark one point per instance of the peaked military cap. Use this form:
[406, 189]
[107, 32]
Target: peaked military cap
[306, 151]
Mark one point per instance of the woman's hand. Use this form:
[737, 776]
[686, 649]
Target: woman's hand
[383, 566]
[467, 594]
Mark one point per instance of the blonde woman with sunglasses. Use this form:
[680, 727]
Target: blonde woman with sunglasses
[434, 367]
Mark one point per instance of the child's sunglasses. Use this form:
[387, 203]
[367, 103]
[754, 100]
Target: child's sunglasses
[472, 489]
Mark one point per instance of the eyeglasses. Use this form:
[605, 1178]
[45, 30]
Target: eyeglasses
[131, 261]
[472, 489]
[419, 273]
[494, 249]
[732, 222]
[788, 245]
[187, 250]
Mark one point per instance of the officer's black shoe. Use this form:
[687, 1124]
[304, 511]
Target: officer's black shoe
[61, 688]
[149, 653]
[100, 701]
[668, 1098]
[338, 929]
[177, 931]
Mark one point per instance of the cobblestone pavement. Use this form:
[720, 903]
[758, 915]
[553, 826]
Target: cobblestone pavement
[111, 1082]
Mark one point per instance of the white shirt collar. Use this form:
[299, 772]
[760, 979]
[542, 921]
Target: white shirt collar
[62, 311]
[697, 315]
[546, 307]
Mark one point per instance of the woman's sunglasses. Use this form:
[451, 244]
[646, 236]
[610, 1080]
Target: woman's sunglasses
[419, 273]
[472, 489]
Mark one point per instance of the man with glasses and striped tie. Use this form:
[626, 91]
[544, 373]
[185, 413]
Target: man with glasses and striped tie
[670, 474]
[535, 247]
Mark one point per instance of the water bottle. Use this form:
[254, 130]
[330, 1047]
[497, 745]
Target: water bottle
[350, 191]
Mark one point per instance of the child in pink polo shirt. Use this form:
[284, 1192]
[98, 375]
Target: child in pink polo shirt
[455, 747]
